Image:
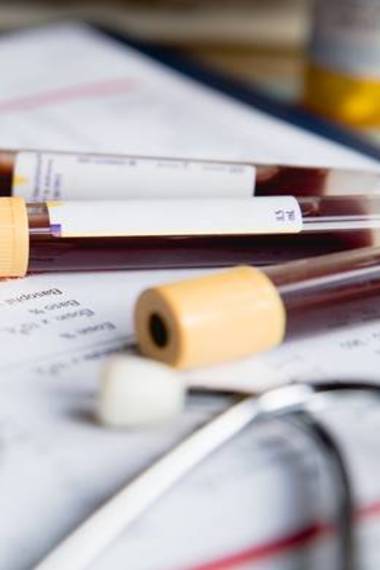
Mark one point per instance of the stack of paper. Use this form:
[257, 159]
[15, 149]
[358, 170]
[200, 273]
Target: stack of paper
[258, 502]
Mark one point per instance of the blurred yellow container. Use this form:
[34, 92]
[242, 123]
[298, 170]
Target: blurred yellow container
[342, 79]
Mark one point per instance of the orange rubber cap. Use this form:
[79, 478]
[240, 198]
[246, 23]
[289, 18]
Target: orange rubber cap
[207, 320]
[14, 237]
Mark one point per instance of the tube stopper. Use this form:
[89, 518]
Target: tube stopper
[14, 237]
[210, 319]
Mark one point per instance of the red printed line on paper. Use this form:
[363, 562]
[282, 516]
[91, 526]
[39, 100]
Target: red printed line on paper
[70, 93]
[283, 545]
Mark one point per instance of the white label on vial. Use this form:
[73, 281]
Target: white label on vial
[277, 214]
[347, 36]
[41, 176]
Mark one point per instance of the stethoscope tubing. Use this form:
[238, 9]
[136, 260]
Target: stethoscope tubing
[84, 544]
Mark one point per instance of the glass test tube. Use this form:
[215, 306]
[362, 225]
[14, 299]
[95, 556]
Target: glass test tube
[243, 311]
[132, 234]
[185, 233]
[50, 175]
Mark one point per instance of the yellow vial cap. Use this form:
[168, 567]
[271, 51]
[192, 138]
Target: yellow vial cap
[14, 237]
[207, 320]
[351, 100]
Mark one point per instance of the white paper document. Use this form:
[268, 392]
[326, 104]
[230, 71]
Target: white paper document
[68, 87]
[257, 503]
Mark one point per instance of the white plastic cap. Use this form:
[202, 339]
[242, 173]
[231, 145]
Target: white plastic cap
[136, 391]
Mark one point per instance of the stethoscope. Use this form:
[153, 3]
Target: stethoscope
[307, 398]
[299, 401]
